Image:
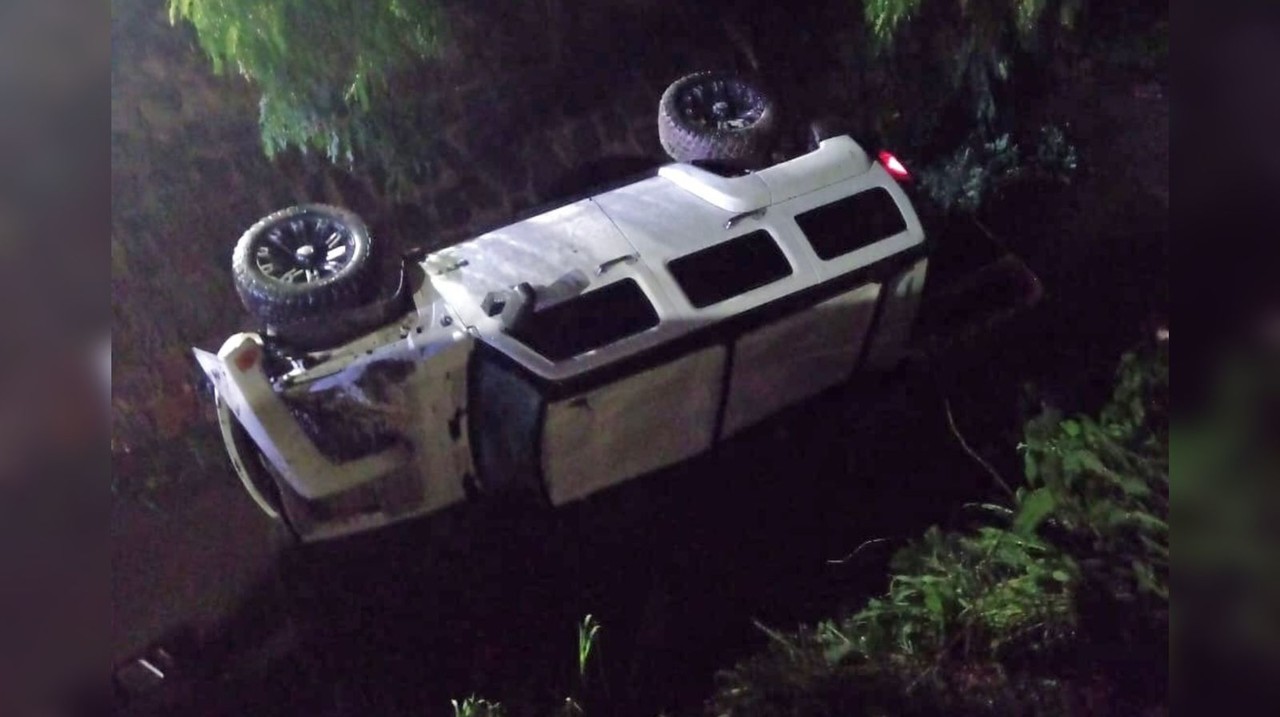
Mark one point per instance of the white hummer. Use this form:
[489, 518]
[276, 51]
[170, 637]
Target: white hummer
[571, 351]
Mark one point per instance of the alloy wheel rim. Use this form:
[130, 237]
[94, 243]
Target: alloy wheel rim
[304, 250]
[721, 105]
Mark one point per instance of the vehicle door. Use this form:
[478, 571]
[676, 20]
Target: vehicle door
[643, 414]
[849, 231]
[713, 274]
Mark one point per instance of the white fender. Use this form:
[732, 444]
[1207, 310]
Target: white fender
[239, 378]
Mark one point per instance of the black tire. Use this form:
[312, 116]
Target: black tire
[291, 240]
[718, 117]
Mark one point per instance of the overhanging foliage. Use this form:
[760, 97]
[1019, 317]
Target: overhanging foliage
[321, 65]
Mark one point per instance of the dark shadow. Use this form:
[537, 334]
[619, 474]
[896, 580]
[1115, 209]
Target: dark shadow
[485, 598]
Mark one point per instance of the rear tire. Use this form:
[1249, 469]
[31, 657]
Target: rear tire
[303, 263]
[718, 117]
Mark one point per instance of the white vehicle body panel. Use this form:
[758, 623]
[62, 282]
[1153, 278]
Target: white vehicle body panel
[648, 418]
[732, 194]
[783, 215]
[226, 425]
[432, 350]
[436, 396]
[838, 159]
[664, 225]
[540, 250]
[266, 418]
[576, 239]
[650, 222]
[897, 318]
[797, 357]
[633, 426]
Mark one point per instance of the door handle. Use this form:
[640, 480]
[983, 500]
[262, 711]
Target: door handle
[753, 214]
[628, 259]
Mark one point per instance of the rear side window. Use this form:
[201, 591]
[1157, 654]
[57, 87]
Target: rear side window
[851, 223]
[729, 268]
[594, 319]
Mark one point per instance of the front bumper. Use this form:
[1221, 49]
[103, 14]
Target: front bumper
[241, 382]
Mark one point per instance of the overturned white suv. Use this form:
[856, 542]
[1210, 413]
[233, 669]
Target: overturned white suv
[571, 351]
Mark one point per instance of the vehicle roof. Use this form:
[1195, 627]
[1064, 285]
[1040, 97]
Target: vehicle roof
[835, 160]
[635, 230]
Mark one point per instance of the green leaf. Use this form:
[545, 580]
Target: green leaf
[1034, 508]
[1133, 486]
[1089, 461]
[1147, 580]
[835, 654]
[933, 601]
[1030, 467]
[1060, 575]
[1071, 428]
[1146, 520]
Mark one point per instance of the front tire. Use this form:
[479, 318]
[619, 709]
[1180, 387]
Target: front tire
[303, 262]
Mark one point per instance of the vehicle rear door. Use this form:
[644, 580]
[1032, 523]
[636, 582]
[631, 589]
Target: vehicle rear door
[848, 231]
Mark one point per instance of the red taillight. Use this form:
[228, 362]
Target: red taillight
[247, 358]
[894, 166]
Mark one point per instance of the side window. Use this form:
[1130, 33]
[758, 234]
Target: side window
[851, 223]
[594, 319]
[730, 268]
